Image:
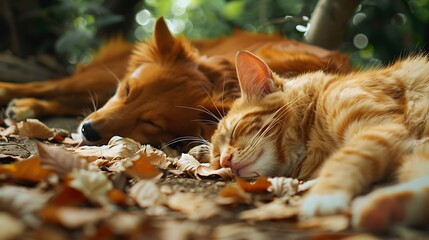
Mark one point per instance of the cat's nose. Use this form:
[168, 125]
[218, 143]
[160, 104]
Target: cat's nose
[89, 132]
[225, 160]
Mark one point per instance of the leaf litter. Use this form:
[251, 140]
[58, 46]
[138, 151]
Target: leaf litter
[125, 189]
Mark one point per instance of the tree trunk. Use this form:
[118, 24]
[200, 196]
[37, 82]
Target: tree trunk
[329, 21]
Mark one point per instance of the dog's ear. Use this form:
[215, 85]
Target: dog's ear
[163, 38]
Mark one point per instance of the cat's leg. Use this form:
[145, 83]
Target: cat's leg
[403, 204]
[365, 157]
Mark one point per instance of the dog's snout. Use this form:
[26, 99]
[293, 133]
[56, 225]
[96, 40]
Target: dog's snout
[89, 132]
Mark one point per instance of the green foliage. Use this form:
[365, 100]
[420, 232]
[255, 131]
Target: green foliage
[379, 31]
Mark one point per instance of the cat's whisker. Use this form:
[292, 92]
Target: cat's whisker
[214, 104]
[191, 139]
[203, 110]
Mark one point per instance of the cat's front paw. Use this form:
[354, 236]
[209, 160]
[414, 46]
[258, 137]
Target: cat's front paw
[324, 204]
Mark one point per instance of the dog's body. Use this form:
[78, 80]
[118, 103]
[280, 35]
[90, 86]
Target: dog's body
[165, 83]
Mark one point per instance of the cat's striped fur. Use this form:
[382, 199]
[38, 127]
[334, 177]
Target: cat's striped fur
[348, 130]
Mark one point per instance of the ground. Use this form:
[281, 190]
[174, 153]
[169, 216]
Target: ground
[180, 224]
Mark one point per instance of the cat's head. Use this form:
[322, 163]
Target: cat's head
[258, 136]
[167, 89]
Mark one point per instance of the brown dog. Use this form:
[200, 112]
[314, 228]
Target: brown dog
[170, 88]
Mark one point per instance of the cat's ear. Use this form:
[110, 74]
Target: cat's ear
[163, 38]
[255, 77]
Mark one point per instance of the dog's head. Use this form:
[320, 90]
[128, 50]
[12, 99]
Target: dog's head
[162, 96]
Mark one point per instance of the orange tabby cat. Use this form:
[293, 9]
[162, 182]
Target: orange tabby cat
[349, 130]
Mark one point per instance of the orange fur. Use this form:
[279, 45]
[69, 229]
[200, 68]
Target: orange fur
[349, 130]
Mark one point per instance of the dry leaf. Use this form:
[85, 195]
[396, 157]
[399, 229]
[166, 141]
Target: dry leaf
[184, 230]
[73, 217]
[124, 223]
[9, 131]
[147, 194]
[192, 167]
[94, 185]
[154, 156]
[277, 209]
[196, 206]
[10, 226]
[117, 148]
[239, 231]
[233, 194]
[67, 196]
[29, 169]
[140, 167]
[201, 153]
[34, 128]
[259, 186]
[59, 159]
[23, 202]
[334, 223]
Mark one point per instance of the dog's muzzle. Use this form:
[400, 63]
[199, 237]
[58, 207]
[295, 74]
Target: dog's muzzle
[89, 132]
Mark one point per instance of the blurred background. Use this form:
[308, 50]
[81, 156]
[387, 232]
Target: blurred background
[66, 32]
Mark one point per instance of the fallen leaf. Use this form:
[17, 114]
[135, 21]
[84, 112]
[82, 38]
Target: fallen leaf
[94, 185]
[9, 131]
[195, 206]
[154, 156]
[139, 167]
[259, 186]
[10, 226]
[124, 223]
[34, 128]
[117, 148]
[334, 223]
[59, 159]
[73, 217]
[29, 169]
[201, 153]
[67, 196]
[23, 202]
[239, 231]
[147, 194]
[188, 164]
[233, 194]
[184, 230]
[277, 209]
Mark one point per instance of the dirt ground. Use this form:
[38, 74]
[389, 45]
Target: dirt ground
[274, 229]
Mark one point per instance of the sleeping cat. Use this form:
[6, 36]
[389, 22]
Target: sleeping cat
[350, 131]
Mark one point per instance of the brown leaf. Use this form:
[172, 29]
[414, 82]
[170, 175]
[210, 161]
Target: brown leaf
[117, 148]
[155, 157]
[147, 194]
[34, 128]
[94, 185]
[73, 217]
[334, 223]
[59, 159]
[233, 194]
[277, 209]
[139, 167]
[259, 186]
[67, 196]
[23, 202]
[192, 167]
[195, 206]
[240, 231]
[29, 169]
[10, 226]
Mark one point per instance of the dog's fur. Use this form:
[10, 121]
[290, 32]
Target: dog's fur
[168, 85]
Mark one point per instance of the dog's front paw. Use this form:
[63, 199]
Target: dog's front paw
[324, 204]
[21, 109]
